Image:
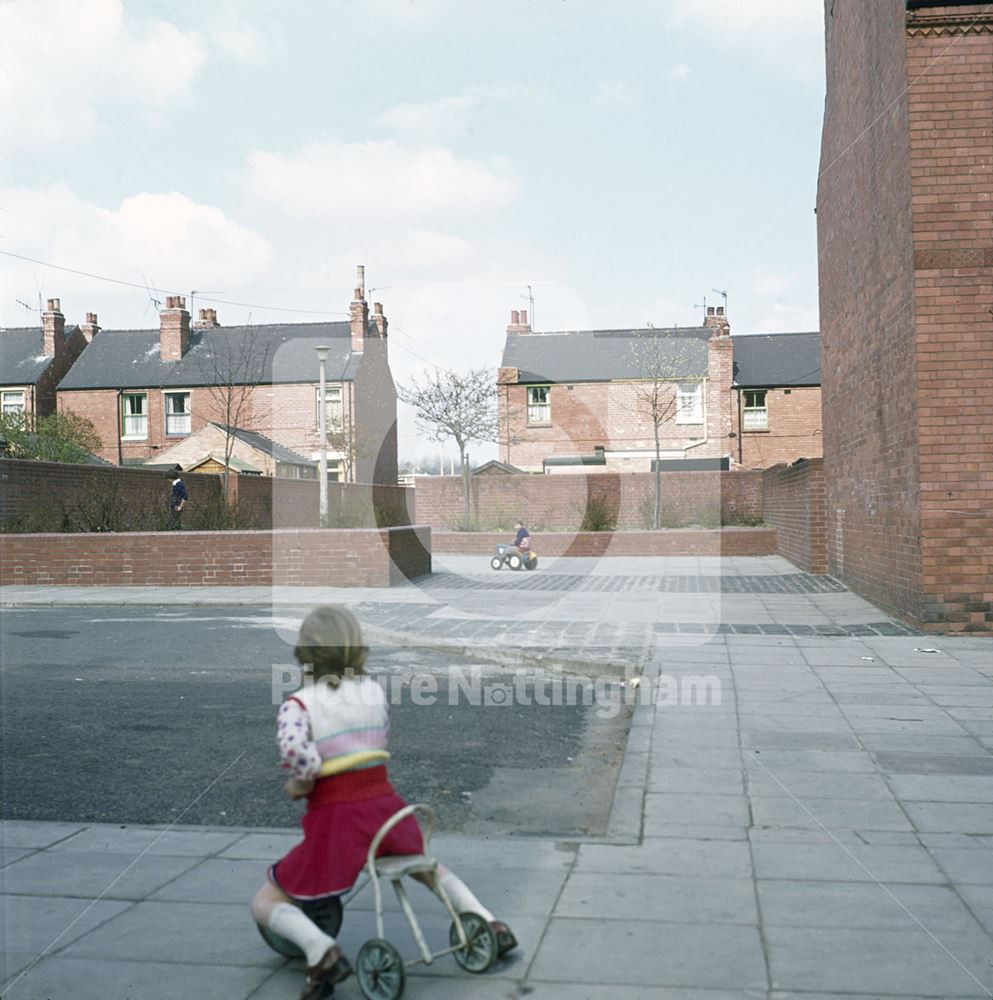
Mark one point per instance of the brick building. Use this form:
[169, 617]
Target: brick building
[905, 246]
[148, 390]
[33, 360]
[589, 400]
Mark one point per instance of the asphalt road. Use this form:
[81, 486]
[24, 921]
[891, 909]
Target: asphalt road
[155, 715]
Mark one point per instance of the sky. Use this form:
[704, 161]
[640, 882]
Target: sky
[624, 165]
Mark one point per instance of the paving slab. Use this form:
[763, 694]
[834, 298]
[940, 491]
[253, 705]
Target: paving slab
[35, 924]
[833, 814]
[669, 856]
[144, 840]
[28, 833]
[850, 862]
[888, 962]
[78, 873]
[964, 865]
[651, 954]
[951, 817]
[695, 809]
[61, 978]
[688, 899]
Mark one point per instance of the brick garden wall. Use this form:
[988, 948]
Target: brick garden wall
[557, 503]
[45, 489]
[676, 542]
[794, 503]
[307, 558]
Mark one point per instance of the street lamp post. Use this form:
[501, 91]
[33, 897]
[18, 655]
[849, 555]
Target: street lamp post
[322, 411]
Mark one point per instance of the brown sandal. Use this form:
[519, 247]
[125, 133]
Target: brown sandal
[504, 937]
[321, 978]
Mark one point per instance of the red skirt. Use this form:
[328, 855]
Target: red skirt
[344, 812]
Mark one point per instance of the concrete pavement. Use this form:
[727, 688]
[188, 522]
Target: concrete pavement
[825, 830]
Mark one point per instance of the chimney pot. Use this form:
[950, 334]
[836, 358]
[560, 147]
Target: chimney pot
[377, 308]
[524, 317]
[91, 318]
[203, 314]
[515, 317]
[720, 310]
[360, 280]
[710, 310]
[54, 306]
[358, 297]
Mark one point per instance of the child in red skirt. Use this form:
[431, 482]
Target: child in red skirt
[332, 740]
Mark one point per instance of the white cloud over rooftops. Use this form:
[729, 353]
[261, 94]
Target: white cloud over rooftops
[62, 59]
[447, 116]
[378, 181]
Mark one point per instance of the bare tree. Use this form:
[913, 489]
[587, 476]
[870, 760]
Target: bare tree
[457, 405]
[233, 363]
[658, 360]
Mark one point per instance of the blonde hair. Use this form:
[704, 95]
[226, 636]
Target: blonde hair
[330, 641]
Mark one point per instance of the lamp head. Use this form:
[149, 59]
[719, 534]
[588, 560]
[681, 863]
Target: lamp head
[322, 352]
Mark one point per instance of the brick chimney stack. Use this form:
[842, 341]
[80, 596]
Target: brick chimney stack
[382, 323]
[53, 326]
[174, 328]
[717, 322]
[90, 328]
[207, 320]
[359, 310]
[518, 321]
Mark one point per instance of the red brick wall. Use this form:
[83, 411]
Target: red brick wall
[261, 502]
[906, 276]
[951, 163]
[793, 501]
[557, 503]
[866, 279]
[794, 429]
[315, 558]
[679, 542]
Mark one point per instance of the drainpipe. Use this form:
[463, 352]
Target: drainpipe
[741, 460]
[120, 417]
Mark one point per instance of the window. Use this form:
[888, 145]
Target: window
[332, 395]
[539, 404]
[134, 415]
[177, 413]
[755, 416]
[689, 403]
[12, 401]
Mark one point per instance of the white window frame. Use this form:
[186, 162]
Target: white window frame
[689, 402]
[143, 415]
[755, 418]
[333, 395]
[539, 405]
[187, 413]
[8, 406]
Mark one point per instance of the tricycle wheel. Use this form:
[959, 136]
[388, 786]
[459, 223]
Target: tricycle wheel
[496, 562]
[514, 561]
[379, 970]
[480, 951]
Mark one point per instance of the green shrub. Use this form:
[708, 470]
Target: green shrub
[598, 516]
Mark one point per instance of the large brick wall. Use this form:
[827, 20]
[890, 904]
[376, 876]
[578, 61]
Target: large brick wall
[100, 497]
[314, 558]
[905, 242]
[557, 503]
[677, 542]
[793, 501]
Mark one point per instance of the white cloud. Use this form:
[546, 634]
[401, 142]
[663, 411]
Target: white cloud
[782, 40]
[167, 238]
[235, 37]
[612, 94]
[377, 182]
[446, 116]
[63, 59]
[771, 284]
[785, 317]
[680, 71]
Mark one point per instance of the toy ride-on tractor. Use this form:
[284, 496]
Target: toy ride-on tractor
[507, 555]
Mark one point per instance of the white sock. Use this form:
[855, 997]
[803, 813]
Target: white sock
[292, 923]
[461, 896]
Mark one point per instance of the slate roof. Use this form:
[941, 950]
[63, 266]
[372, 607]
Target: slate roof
[768, 360]
[21, 360]
[129, 359]
[266, 445]
[603, 355]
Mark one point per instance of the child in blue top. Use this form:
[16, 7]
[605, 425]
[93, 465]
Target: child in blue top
[332, 740]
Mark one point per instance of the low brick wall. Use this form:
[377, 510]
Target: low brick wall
[673, 542]
[52, 496]
[557, 502]
[376, 557]
[794, 501]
